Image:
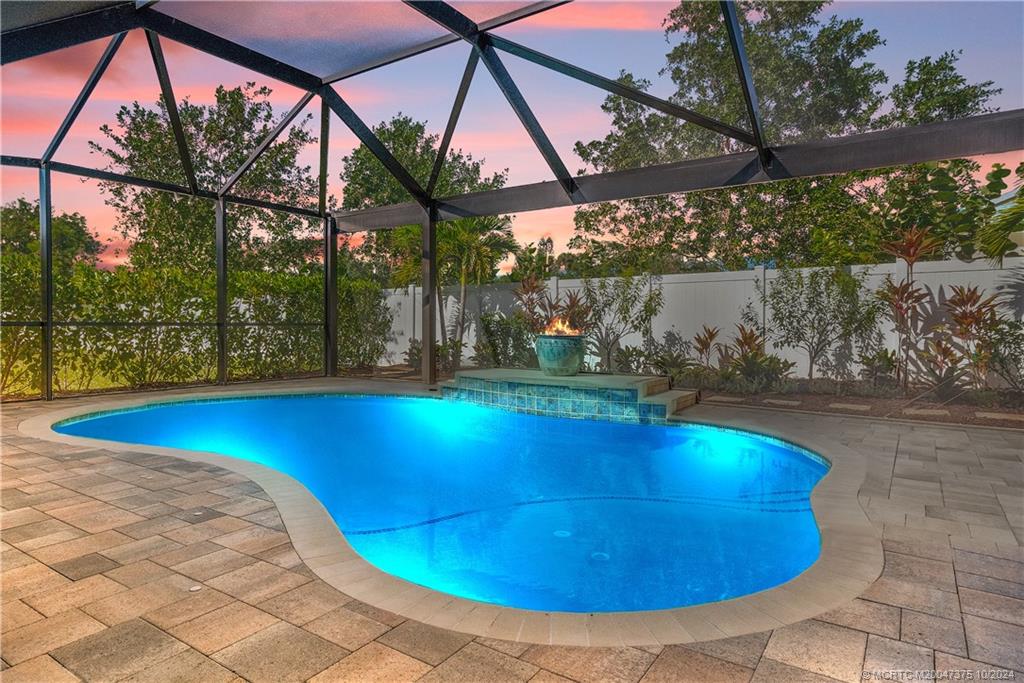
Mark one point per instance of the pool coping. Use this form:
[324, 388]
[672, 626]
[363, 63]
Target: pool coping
[851, 554]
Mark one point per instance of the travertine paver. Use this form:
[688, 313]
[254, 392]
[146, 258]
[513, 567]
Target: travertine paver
[102, 551]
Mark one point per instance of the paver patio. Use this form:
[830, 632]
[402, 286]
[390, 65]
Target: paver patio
[132, 566]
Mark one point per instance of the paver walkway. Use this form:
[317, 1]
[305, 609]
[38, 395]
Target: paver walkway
[128, 566]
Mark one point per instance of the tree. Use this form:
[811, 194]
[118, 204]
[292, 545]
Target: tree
[396, 252]
[815, 79]
[820, 312]
[368, 183]
[789, 46]
[615, 308]
[933, 90]
[534, 260]
[72, 239]
[478, 245]
[166, 229]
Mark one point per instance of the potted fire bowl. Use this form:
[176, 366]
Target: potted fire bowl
[560, 350]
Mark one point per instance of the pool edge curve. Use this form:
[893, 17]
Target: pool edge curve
[849, 561]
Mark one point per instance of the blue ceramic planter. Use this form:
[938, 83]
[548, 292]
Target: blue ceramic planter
[560, 355]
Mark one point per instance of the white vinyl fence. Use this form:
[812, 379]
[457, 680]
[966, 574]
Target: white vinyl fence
[692, 300]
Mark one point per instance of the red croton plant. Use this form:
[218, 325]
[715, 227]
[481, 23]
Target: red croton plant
[948, 346]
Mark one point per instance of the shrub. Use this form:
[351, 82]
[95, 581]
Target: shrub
[506, 341]
[364, 323]
[1006, 339]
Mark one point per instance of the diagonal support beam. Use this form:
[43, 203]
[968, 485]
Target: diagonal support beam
[265, 143]
[83, 96]
[172, 109]
[447, 16]
[528, 119]
[620, 89]
[739, 53]
[373, 143]
[210, 43]
[453, 120]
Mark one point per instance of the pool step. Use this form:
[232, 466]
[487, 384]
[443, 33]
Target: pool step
[674, 400]
[655, 385]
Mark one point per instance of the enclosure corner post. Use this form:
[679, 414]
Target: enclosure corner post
[46, 282]
[222, 292]
[428, 317]
[330, 298]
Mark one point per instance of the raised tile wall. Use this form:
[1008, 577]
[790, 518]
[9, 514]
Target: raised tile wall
[616, 405]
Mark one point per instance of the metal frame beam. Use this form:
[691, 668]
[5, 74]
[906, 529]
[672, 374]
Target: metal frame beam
[746, 77]
[428, 316]
[348, 116]
[204, 41]
[31, 41]
[86, 172]
[265, 143]
[493, 23]
[46, 284]
[330, 251]
[526, 116]
[453, 120]
[451, 19]
[83, 96]
[172, 109]
[620, 89]
[986, 134]
[222, 290]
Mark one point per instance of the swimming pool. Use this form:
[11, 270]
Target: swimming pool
[518, 510]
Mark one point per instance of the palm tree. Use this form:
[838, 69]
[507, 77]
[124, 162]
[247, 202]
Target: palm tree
[468, 250]
[477, 246]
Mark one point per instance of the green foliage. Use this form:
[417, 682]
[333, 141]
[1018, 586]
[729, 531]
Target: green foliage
[167, 229]
[993, 237]
[72, 240]
[1006, 340]
[815, 78]
[364, 323]
[616, 308]
[823, 312]
[506, 341]
[933, 90]
[534, 261]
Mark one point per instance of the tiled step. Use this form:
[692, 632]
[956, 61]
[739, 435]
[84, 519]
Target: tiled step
[674, 400]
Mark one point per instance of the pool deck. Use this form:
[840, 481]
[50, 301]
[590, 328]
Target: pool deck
[120, 563]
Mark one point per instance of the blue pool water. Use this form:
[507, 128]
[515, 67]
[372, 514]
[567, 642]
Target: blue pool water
[527, 511]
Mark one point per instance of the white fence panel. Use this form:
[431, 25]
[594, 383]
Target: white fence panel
[692, 300]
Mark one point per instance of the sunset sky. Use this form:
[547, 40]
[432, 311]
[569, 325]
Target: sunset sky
[605, 37]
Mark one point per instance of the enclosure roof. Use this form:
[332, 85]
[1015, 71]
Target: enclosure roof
[329, 40]
[314, 45]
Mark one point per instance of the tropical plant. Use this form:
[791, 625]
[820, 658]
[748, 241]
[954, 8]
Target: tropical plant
[879, 367]
[942, 365]
[973, 318]
[704, 344]
[506, 341]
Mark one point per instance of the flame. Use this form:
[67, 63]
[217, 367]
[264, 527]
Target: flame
[562, 328]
